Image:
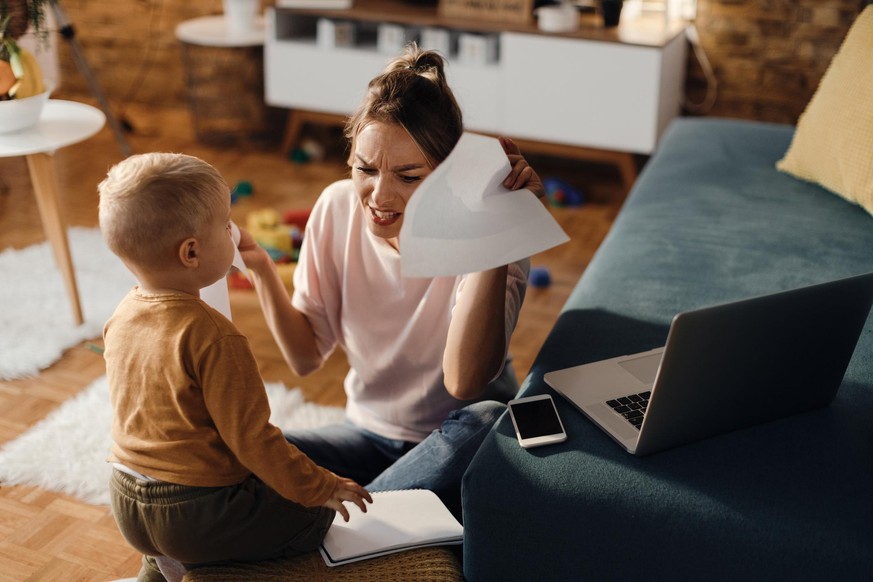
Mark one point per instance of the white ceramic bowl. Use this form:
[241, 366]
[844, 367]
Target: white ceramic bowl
[18, 114]
[558, 17]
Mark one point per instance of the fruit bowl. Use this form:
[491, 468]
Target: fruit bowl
[18, 114]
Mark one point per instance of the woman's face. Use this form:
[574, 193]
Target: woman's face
[387, 167]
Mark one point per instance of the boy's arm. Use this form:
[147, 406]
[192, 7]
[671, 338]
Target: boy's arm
[237, 403]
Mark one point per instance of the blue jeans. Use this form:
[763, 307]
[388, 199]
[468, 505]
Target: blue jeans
[437, 463]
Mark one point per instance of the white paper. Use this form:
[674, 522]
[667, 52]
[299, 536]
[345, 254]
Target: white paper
[462, 219]
[216, 295]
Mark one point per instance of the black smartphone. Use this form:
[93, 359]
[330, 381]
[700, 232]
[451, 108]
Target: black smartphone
[536, 421]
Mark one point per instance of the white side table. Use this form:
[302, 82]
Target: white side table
[213, 31]
[62, 123]
[224, 74]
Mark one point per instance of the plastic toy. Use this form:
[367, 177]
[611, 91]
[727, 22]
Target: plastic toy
[243, 189]
[298, 217]
[308, 150]
[281, 236]
[561, 193]
[267, 228]
[237, 280]
[540, 277]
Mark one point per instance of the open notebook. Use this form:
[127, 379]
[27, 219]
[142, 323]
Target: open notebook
[394, 522]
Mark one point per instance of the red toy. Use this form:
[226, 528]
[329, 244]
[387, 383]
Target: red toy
[297, 217]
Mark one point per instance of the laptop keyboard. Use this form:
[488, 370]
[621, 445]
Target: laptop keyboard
[632, 407]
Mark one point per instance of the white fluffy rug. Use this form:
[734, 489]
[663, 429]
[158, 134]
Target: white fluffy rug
[66, 452]
[36, 320]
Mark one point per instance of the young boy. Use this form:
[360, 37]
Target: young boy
[200, 474]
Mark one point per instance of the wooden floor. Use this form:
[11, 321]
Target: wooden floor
[47, 536]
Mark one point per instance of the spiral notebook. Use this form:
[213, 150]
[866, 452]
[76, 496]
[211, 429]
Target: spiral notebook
[396, 521]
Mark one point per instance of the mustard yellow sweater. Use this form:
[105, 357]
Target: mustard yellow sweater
[189, 405]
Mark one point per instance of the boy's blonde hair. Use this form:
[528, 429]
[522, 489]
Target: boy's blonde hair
[150, 203]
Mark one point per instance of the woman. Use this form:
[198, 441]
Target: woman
[429, 371]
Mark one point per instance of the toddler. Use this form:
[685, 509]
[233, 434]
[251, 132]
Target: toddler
[200, 475]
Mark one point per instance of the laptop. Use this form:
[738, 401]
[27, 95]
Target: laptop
[726, 367]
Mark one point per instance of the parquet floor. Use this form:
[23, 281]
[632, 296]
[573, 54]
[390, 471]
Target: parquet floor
[48, 536]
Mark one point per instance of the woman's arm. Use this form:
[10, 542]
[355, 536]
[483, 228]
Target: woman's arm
[290, 328]
[476, 345]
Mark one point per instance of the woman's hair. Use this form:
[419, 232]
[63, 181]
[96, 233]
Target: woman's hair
[150, 203]
[412, 92]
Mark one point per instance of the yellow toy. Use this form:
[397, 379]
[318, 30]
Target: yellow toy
[267, 228]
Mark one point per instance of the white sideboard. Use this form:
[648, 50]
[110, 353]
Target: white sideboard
[610, 89]
[597, 94]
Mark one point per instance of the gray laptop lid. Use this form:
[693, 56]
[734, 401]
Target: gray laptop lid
[755, 360]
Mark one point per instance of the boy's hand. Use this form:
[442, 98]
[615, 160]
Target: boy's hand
[348, 490]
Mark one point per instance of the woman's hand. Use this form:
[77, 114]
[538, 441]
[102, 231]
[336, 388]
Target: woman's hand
[348, 490]
[521, 175]
[290, 328]
[253, 255]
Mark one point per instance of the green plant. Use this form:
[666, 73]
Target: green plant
[19, 72]
[17, 15]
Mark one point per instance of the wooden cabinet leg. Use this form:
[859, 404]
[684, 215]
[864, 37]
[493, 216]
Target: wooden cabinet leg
[627, 167]
[46, 190]
[297, 118]
[292, 131]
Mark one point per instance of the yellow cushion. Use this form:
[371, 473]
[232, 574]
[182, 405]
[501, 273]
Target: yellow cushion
[833, 143]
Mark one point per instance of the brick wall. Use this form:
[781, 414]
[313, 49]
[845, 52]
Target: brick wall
[131, 47]
[768, 55]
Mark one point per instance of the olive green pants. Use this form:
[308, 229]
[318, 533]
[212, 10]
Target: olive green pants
[207, 525]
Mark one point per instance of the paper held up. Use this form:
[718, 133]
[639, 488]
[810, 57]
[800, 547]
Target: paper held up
[216, 295]
[461, 219]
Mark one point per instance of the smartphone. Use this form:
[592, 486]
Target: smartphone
[536, 421]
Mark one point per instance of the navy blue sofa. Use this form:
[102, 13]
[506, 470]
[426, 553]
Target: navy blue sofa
[709, 220]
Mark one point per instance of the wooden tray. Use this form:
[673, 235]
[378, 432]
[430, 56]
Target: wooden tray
[518, 11]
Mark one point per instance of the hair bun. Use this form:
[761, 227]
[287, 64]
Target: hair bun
[421, 62]
[412, 92]
[419, 69]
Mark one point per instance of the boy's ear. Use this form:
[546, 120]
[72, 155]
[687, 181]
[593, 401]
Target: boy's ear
[189, 252]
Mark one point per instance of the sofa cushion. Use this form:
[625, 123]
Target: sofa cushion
[709, 220]
[833, 145]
